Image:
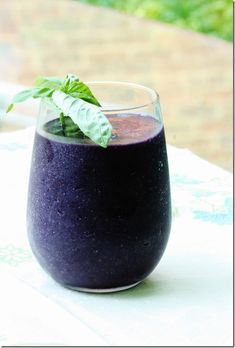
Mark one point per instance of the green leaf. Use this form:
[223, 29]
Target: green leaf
[71, 129]
[89, 118]
[68, 129]
[88, 98]
[42, 92]
[22, 96]
[49, 82]
[76, 105]
[10, 107]
[72, 77]
[79, 90]
[32, 93]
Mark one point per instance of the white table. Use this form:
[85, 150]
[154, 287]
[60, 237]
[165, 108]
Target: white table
[187, 300]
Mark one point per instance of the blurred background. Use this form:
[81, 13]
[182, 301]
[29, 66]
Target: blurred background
[210, 17]
[181, 48]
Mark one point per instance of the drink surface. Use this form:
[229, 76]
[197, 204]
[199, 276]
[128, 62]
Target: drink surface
[131, 129]
[127, 129]
[100, 218]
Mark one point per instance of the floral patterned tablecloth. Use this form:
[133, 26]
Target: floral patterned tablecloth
[187, 300]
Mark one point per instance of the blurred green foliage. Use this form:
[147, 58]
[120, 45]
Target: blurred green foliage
[214, 17]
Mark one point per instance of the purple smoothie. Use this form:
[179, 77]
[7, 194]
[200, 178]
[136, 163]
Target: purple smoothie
[100, 218]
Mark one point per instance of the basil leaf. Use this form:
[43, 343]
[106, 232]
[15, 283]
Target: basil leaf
[49, 82]
[24, 95]
[69, 128]
[75, 105]
[72, 77]
[88, 98]
[10, 107]
[89, 118]
[81, 91]
[78, 89]
[30, 93]
[42, 92]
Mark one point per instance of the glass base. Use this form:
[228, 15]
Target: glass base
[102, 291]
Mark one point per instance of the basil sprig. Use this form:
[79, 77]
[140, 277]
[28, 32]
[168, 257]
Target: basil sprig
[79, 110]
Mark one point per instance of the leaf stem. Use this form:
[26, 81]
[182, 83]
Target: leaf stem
[62, 121]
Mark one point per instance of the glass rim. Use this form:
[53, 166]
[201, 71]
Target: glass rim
[152, 92]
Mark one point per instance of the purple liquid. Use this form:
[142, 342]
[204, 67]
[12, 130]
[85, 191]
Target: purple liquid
[100, 218]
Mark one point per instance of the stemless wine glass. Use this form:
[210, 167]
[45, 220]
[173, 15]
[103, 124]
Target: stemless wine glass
[99, 218]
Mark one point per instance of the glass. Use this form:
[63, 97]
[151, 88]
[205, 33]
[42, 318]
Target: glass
[99, 219]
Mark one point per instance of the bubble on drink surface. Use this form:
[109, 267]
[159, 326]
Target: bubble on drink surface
[114, 136]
